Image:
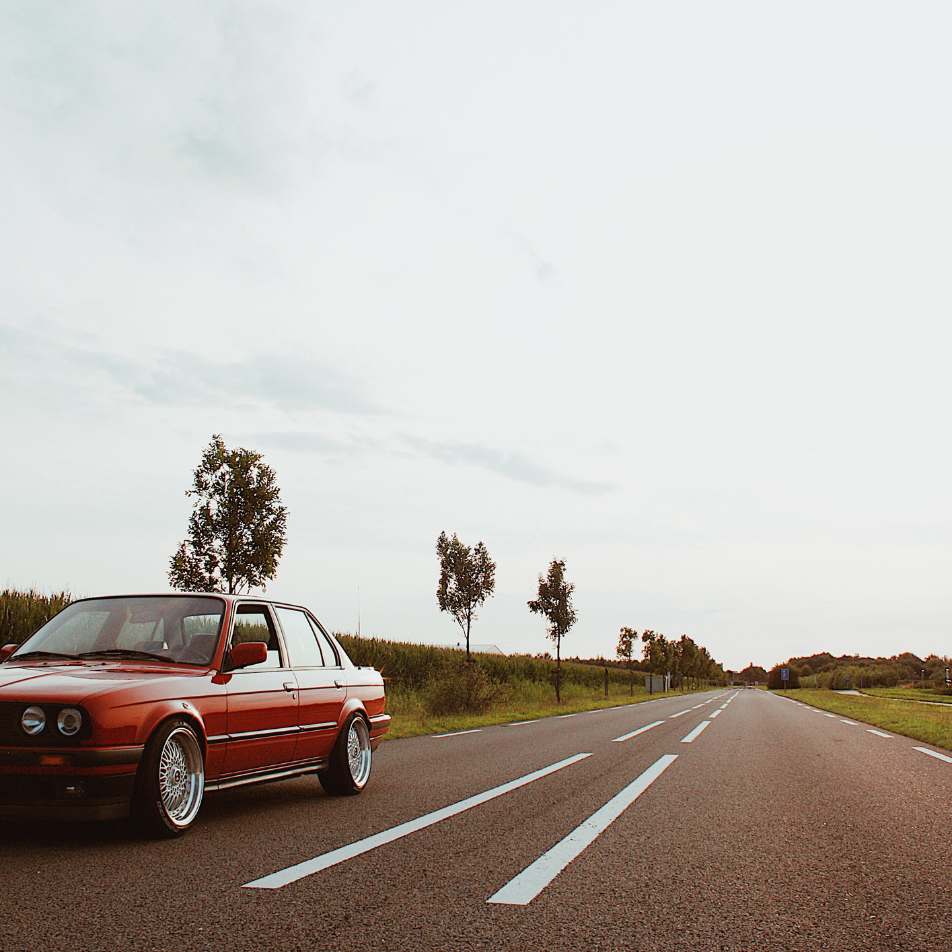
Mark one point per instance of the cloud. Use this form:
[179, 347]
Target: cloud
[184, 378]
[514, 466]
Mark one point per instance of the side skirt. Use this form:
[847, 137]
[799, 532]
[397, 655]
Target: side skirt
[266, 776]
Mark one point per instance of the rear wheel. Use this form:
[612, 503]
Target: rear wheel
[350, 760]
[171, 780]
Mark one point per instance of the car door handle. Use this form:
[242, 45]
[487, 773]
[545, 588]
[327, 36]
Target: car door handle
[337, 684]
[288, 686]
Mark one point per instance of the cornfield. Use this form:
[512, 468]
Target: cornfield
[21, 613]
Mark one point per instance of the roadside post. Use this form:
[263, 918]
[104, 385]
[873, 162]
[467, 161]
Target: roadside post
[785, 677]
[847, 682]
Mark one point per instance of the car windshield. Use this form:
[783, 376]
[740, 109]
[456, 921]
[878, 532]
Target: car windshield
[177, 628]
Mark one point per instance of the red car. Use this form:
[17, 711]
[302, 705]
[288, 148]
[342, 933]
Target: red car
[136, 705]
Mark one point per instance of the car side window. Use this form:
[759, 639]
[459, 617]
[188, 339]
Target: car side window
[254, 623]
[303, 647]
[327, 646]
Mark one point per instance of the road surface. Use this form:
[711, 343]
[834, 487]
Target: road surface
[726, 820]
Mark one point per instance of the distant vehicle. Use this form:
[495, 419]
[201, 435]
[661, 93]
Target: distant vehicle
[136, 705]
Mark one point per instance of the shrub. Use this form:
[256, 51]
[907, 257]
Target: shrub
[462, 687]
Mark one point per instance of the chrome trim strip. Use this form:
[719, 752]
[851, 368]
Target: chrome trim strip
[319, 727]
[274, 732]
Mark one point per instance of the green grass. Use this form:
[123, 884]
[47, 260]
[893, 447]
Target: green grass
[528, 701]
[910, 694]
[932, 725]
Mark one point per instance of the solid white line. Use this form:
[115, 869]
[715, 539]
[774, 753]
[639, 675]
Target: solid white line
[673, 716]
[475, 730]
[640, 730]
[877, 733]
[300, 870]
[714, 714]
[696, 732]
[934, 753]
[520, 723]
[522, 889]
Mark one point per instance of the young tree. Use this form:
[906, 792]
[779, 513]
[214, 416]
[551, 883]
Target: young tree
[236, 532]
[627, 638]
[555, 603]
[467, 579]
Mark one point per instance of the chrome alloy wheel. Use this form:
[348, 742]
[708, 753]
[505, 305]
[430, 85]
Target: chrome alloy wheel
[181, 776]
[358, 751]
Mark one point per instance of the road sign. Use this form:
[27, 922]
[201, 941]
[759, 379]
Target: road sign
[784, 674]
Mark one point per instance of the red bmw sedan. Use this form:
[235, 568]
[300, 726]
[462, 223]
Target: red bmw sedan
[136, 705]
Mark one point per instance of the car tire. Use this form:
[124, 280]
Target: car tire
[349, 768]
[170, 781]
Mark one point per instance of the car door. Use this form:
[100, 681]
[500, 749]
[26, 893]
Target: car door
[262, 719]
[320, 679]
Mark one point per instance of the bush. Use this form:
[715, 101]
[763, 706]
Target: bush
[462, 687]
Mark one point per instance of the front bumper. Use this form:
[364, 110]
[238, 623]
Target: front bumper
[75, 784]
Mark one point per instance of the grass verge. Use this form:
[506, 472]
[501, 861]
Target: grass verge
[932, 725]
[410, 717]
[909, 694]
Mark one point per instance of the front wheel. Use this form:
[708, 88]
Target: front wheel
[171, 780]
[349, 767]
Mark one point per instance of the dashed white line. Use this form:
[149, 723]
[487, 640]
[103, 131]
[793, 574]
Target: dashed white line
[522, 889]
[520, 723]
[934, 753]
[673, 716]
[475, 730]
[640, 730]
[696, 732]
[851, 723]
[560, 716]
[714, 714]
[300, 870]
[870, 730]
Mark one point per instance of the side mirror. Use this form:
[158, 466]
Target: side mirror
[248, 653]
[6, 651]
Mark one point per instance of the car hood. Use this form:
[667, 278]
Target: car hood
[77, 681]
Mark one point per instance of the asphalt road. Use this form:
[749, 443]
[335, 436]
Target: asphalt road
[774, 827]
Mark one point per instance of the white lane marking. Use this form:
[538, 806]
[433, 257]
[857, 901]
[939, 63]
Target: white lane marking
[300, 870]
[696, 732]
[673, 716]
[934, 753]
[520, 723]
[560, 716]
[475, 730]
[640, 730]
[698, 706]
[827, 714]
[721, 708]
[869, 730]
[714, 714]
[851, 723]
[522, 889]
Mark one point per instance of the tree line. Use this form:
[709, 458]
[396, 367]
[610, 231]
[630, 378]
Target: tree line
[823, 670]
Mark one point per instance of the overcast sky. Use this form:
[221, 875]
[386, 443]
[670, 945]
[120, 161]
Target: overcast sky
[660, 289]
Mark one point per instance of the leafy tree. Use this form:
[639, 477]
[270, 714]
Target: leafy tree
[555, 603]
[236, 532]
[627, 638]
[467, 579]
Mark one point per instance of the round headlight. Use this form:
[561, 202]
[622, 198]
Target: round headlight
[33, 720]
[69, 721]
